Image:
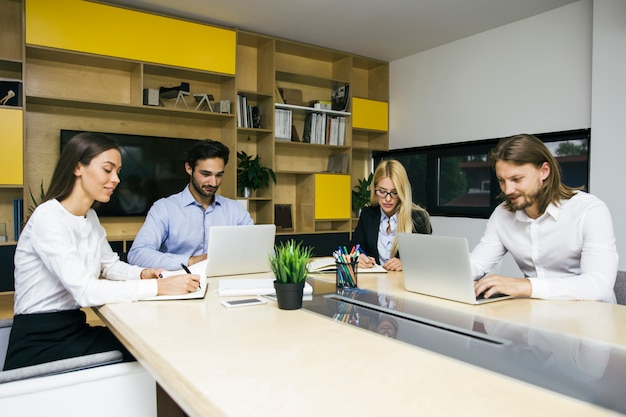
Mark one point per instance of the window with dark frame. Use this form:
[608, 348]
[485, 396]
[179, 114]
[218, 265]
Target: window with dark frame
[457, 180]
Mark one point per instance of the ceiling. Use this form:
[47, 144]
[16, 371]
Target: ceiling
[382, 29]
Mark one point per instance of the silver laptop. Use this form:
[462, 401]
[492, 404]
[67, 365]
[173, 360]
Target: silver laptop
[439, 266]
[234, 250]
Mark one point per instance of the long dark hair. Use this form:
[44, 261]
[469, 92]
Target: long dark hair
[528, 149]
[82, 148]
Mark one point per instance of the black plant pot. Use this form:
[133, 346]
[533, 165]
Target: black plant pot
[289, 295]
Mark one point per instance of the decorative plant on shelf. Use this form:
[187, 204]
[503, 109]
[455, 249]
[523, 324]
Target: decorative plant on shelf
[251, 175]
[361, 194]
[35, 203]
[289, 264]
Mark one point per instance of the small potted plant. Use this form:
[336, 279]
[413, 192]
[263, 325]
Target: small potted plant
[251, 175]
[361, 194]
[289, 264]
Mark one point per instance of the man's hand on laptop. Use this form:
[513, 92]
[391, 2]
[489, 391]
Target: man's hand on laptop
[494, 284]
[196, 259]
[393, 264]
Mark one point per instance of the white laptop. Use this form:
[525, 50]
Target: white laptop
[439, 266]
[234, 250]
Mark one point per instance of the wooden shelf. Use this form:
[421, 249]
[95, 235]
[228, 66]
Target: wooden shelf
[68, 88]
[310, 109]
[126, 108]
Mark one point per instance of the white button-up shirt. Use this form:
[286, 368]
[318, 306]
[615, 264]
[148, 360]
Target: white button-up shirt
[567, 253]
[60, 258]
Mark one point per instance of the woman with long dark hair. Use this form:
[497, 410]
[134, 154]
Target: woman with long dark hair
[63, 262]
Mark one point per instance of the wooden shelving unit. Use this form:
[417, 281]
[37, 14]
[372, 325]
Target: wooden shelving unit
[11, 117]
[315, 72]
[79, 90]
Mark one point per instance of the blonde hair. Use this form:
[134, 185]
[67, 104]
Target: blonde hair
[394, 170]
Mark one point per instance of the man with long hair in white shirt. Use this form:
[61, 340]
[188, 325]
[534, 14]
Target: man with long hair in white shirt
[561, 238]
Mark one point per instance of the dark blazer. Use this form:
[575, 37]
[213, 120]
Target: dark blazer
[366, 232]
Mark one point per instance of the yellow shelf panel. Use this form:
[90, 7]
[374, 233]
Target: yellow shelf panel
[370, 114]
[12, 155]
[332, 196]
[108, 30]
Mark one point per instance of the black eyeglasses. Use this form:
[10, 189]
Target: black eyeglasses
[384, 194]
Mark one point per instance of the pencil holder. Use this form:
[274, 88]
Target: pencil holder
[347, 274]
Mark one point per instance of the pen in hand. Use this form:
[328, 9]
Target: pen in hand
[188, 271]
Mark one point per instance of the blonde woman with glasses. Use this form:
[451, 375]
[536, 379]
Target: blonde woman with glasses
[391, 210]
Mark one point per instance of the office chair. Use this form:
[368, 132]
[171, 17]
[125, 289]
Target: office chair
[620, 287]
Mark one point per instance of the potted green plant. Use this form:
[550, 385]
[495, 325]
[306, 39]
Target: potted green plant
[251, 175]
[289, 264]
[361, 194]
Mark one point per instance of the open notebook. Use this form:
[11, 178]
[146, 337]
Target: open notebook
[327, 264]
[200, 269]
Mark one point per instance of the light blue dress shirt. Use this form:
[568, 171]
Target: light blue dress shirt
[178, 227]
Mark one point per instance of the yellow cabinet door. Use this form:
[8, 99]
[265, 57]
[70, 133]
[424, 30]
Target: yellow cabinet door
[12, 155]
[370, 114]
[332, 196]
[101, 29]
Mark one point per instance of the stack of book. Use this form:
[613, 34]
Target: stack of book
[324, 129]
[247, 114]
[282, 124]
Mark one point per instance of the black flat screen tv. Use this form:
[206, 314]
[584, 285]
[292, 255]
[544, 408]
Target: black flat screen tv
[152, 167]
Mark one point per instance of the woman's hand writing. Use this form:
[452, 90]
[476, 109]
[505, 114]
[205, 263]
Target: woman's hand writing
[178, 284]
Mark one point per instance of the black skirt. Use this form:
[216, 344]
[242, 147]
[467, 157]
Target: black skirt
[45, 337]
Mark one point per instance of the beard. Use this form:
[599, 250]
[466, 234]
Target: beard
[523, 201]
[207, 191]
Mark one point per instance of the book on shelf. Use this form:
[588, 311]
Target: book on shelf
[340, 98]
[320, 104]
[247, 114]
[278, 97]
[18, 217]
[243, 112]
[282, 124]
[256, 117]
[306, 134]
[324, 129]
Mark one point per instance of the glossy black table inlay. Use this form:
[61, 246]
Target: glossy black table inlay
[585, 369]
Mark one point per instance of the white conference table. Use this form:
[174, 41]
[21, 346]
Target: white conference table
[263, 361]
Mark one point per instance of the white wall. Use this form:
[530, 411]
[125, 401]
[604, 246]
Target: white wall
[532, 76]
[608, 114]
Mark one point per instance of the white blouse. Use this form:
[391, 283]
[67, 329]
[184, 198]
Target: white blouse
[64, 262]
